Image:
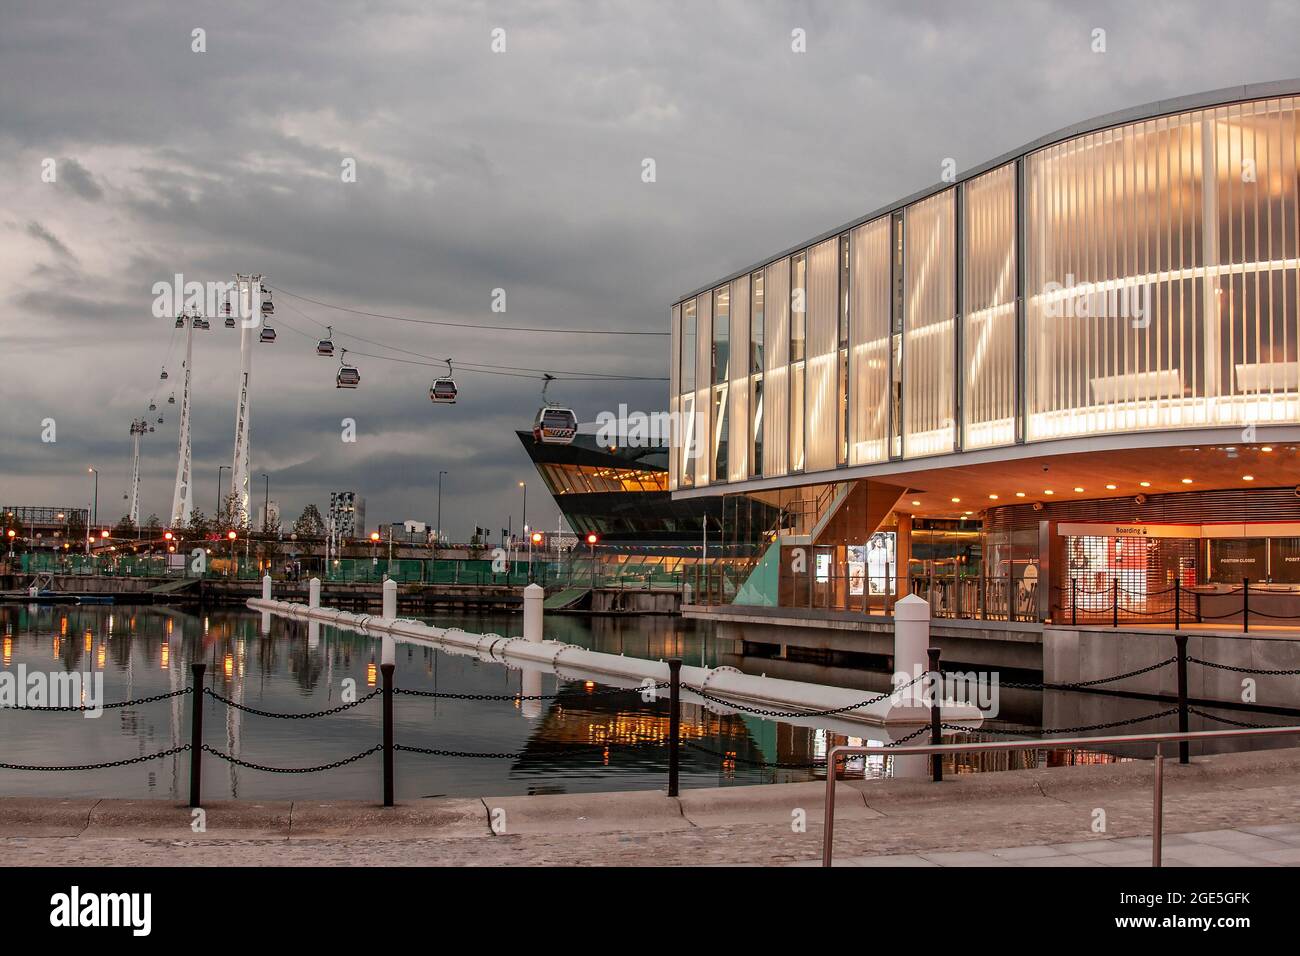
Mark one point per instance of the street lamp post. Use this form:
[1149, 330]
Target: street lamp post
[438, 533]
[533, 538]
[219, 471]
[266, 503]
[524, 518]
[591, 542]
[95, 507]
[231, 535]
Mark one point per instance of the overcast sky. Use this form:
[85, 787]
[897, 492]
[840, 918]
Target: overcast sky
[477, 170]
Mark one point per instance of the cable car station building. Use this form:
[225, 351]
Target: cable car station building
[1061, 387]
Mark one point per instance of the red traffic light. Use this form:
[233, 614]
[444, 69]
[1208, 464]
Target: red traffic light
[104, 533]
[231, 535]
[167, 535]
[11, 532]
[537, 537]
[592, 538]
[374, 536]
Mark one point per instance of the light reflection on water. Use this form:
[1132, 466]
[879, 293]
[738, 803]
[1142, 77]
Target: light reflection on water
[604, 742]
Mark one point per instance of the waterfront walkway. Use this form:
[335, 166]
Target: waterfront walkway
[1229, 810]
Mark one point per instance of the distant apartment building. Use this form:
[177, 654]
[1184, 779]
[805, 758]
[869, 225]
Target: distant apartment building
[346, 516]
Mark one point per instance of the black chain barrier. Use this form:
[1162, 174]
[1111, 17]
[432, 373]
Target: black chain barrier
[435, 752]
[1075, 685]
[1228, 720]
[267, 713]
[121, 703]
[442, 695]
[229, 758]
[1244, 670]
[1064, 730]
[761, 712]
[143, 758]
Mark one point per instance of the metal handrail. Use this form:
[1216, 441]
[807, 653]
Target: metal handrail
[1157, 802]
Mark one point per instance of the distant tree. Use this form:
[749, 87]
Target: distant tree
[153, 527]
[309, 523]
[227, 514]
[125, 528]
[197, 526]
[77, 527]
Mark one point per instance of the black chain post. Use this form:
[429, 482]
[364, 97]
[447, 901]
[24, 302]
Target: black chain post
[1180, 640]
[1245, 605]
[1178, 604]
[674, 721]
[387, 671]
[196, 735]
[1074, 602]
[936, 734]
[1115, 603]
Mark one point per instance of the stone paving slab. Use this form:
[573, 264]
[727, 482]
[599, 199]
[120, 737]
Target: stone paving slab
[1217, 812]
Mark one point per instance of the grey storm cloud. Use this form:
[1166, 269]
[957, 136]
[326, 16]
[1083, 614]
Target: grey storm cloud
[478, 171]
[79, 179]
[37, 231]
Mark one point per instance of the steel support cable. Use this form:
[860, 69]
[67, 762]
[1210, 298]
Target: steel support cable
[463, 325]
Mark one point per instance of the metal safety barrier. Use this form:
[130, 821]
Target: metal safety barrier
[937, 752]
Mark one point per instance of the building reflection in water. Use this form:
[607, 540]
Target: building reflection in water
[583, 739]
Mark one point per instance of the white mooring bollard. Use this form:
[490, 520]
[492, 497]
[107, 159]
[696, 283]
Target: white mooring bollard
[390, 599]
[266, 587]
[533, 597]
[911, 641]
[313, 592]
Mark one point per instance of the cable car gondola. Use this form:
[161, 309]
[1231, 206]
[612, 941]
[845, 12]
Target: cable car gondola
[268, 307]
[267, 334]
[348, 376]
[554, 424]
[171, 399]
[153, 407]
[443, 391]
[230, 321]
[180, 321]
[326, 345]
[163, 376]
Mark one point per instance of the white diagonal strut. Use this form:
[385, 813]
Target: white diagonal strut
[183, 494]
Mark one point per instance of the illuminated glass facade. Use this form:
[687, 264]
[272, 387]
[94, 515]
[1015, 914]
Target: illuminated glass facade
[1136, 275]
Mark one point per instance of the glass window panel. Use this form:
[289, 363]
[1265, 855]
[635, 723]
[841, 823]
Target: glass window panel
[776, 380]
[1161, 277]
[989, 305]
[930, 306]
[820, 431]
[869, 342]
